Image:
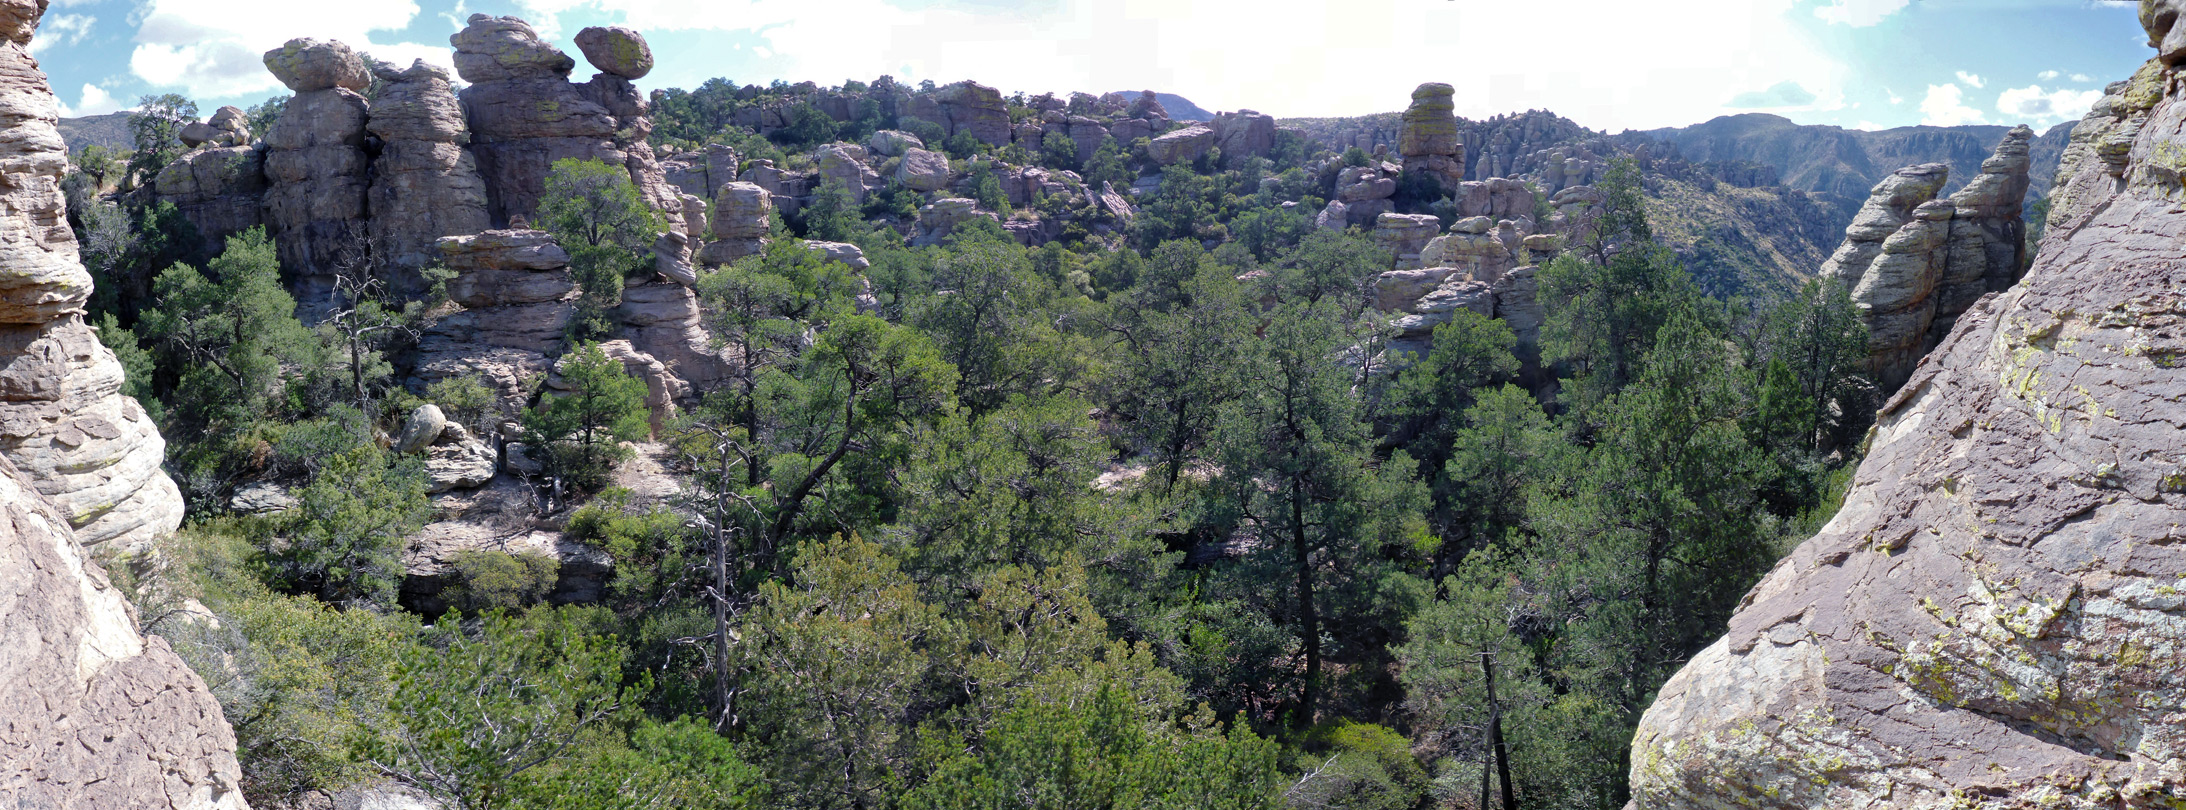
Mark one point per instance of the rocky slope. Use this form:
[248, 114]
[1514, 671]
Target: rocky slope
[1992, 619]
[91, 713]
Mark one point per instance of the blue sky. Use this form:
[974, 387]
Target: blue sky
[1609, 64]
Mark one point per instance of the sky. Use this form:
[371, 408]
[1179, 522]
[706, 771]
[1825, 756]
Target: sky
[1607, 64]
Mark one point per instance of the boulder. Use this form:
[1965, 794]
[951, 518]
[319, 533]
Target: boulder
[459, 463]
[966, 107]
[1986, 620]
[1182, 146]
[422, 428]
[1361, 183]
[498, 49]
[845, 164]
[924, 171]
[1405, 235]
[940, 218]
[844, 253]
[893, 143]
[1244, 134]
[616, 51]
[318, 175]
[309, 65]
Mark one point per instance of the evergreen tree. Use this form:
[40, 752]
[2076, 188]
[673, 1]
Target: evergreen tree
[580, 433]
[596, 214]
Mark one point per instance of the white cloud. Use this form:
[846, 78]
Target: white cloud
[94, 101]
[2047, 75]
[1102, 45]
[1859, 13]
[215, 48]
[1894, 97]
[1971, 80]
[1945, 106]
[2032, 103]
[2082, 78]
[61, 29]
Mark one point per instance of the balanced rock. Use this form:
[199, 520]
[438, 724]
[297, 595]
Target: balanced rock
[317, 172]
[524, 115]
[1986, 621]
[309, 65]
[497, 49]
[616, 50]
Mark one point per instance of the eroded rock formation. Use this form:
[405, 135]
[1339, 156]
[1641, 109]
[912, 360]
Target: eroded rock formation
[63, 420]
[425, 184]
[1991, 619]
[316, 168]
[1429, 139]
[1913, 262]
[91, 713]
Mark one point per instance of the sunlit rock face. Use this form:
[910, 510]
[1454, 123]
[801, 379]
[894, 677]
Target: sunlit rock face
[1993, 619]
[63, 420]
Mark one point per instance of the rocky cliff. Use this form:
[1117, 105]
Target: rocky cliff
[1992, 618]
[91, 713]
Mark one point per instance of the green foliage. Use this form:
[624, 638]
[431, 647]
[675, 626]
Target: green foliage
[804, 127]
[987, 190]
[345, 544]
[498, 580]
[471, 712]
[832, 216]
[1059, 151]
[1108, 165]
[1366, 766]
[260, 116]
[595, 212]
[467, 402]
[677, 764]
[1108, 753]
[1332, 266]
[655, 553]
[577, 437]
[155, 130]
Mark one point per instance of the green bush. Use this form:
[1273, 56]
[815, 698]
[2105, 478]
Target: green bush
[500, 580]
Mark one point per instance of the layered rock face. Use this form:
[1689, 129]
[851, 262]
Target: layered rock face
[518, 298]
[1913, 263]
[1992, 618]
[316, 167]
[966, 107]
[63, 420]
[91, 713]
[220, 190]
[425, 184]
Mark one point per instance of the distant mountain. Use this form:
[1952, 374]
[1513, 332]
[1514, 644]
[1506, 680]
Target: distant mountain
[1179, 107]
[1841, 165]
[110, 130]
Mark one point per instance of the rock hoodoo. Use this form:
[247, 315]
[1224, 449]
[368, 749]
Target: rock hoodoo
[1429, 140]
[1913, 263]
[1991, 619]
[316, 167]
[425, 184]
[92, 714]
[63, 420]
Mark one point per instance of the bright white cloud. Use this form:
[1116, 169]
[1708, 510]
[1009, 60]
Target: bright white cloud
[1971, 80]
[2032, 103]
[94, 101]
[2082, 77]
[61, 30]
[215, 48]
[2047, 75]
[1357, 63]
[1945, 106]
[1859, 13]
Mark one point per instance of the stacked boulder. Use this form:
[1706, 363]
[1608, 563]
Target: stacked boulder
[1428, 139]
[1990, 619]
[92, 714]
[316, 166]
[1913, 262]
[228, 127]
[425, 185]
[742, 215]
[64, 422]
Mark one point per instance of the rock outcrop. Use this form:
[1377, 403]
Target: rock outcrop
[316, 167]
[524, 114]
[1429, 140]
[63, 420]
[425, 184]
[517, 297]
[1992, 618]
[220, 190]
[967, 107]
[1913, 262]
[92, 714]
